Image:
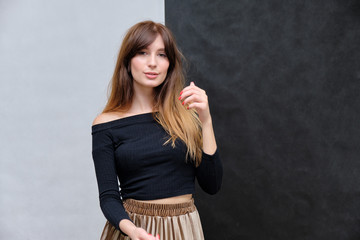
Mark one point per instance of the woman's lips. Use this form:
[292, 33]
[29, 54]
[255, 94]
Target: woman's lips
[151, 75]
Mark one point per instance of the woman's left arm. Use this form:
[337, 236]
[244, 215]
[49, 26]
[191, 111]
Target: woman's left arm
[209, 173]
[196, 97]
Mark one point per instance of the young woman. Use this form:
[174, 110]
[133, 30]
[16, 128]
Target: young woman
[155, 136]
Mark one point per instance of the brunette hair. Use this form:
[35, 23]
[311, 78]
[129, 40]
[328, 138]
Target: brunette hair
[170, 113]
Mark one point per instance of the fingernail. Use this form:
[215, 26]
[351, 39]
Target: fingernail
[187, 107]
[183, 102]
[180, 98]
[158, 236]
[181, 92]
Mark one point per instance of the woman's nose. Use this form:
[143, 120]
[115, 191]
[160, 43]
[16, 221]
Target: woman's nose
[152, 60]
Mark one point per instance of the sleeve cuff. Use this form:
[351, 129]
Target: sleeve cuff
[206, 156]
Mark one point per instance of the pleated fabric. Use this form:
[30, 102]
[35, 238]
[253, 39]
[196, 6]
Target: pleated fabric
[171, 221]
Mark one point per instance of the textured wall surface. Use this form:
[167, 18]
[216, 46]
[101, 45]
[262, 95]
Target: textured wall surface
[56, 59]
[283, 79]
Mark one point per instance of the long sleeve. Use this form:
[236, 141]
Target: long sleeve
[105, 169]
[209, 173]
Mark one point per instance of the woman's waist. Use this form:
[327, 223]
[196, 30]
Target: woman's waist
[172, 206]
[158, 194]
[170, 200]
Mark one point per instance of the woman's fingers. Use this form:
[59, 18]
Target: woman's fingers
[195, 105]
[189, 92]
[141, 234]
[191, 87]
[154, 238]
[193, 96]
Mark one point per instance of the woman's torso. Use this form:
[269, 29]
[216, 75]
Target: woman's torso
[118, 117]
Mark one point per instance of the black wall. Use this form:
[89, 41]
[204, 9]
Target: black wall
[283, 80]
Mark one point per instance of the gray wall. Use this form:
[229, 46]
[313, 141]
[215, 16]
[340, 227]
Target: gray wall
[56, 59]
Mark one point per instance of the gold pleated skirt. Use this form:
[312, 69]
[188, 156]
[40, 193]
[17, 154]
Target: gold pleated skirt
[171, 221]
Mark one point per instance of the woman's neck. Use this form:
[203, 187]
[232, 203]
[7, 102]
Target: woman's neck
[143, 101]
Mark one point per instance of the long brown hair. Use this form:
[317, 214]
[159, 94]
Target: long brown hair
[170, 113]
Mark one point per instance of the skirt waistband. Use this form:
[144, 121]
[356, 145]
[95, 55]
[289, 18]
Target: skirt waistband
[156, 209]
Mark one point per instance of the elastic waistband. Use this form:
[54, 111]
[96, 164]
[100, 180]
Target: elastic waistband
[156, 209]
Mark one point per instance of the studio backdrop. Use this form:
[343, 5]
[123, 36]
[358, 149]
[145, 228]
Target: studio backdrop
[283, 80]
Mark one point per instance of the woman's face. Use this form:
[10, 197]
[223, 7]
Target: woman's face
[149, 66]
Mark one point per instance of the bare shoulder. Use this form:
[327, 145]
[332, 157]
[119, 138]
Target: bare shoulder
[107, 117]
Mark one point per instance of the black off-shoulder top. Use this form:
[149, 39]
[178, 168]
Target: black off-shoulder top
[131, 151]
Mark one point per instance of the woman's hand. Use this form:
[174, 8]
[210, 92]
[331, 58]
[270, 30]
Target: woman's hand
[195, 97]
[141, 234]
[135, 233]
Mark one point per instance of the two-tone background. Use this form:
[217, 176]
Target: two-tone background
[283, 80]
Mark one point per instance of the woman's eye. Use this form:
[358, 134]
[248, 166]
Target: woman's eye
[142, 53]
[162, 54]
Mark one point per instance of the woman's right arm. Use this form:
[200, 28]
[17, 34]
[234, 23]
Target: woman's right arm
[104, 162]
[109, 194]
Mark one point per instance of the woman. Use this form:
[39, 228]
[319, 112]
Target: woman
[155, 136]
